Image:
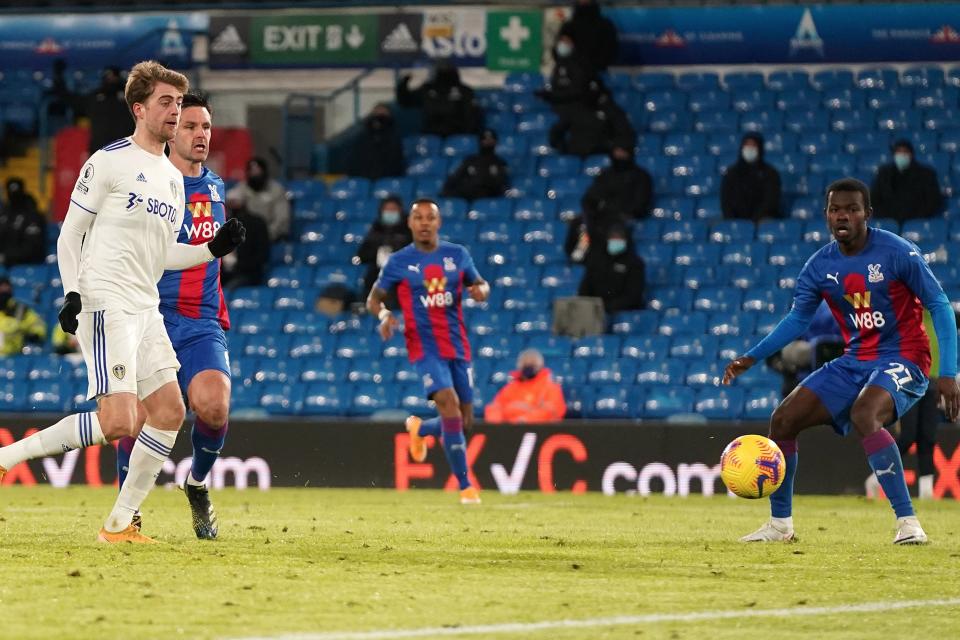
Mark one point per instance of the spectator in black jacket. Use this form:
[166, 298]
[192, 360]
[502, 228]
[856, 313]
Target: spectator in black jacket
[388, 233]
[107, 109]
[751, 187]
[481, 175]
[245, 267]
[593, 34]
[379, 151]
[614, 272]
[448, 106]
[621, 194]
[905, 189]
[595, 126]
[23, 229]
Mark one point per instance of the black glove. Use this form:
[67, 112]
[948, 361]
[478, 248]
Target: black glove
[69, 311]
[230, 236]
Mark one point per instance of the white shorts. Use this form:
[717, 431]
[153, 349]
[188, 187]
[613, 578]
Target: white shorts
[124, 352]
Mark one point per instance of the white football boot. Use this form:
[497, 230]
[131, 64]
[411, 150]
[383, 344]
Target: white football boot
[774, 530]
[909, 531]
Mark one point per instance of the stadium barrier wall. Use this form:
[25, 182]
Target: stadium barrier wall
[649, 458]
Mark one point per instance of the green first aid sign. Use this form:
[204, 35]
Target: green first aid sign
[514, 40]
[314, 40]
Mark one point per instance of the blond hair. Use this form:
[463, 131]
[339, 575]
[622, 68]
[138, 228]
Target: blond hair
[143, 80]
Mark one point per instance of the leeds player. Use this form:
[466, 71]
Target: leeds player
[119, 234]
[876, 285]
[195, 315]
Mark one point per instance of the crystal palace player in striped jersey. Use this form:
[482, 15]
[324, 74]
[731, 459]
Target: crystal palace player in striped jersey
[430, 277]
[877, 285]
[195, 314]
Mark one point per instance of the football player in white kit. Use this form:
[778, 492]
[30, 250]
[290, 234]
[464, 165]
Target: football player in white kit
[119, 235]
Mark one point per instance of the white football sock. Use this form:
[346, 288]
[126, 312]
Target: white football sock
[193, 482]
[73, 432]
[150, 451]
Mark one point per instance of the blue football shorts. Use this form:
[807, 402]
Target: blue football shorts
[438, 374]
[839, 382]
[200, 344]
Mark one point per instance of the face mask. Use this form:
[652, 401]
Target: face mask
[564, 50]
[5, 298]
[528, 372]
[390, 217]
[257, 183]
[379, 123]
[616, 246]
[749, 154]
[902, 160]
[620, 163]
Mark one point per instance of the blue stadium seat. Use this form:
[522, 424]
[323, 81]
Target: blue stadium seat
[349, 188]
[893, 119]
[698, 82]
[748, 253]
[644, 347]
[291, 276]
[533, 323]
[694, 347]
[295, 299]
[779, 231]
[47, 396]
[922, 77]
[683, 231]
[879, 78]
[703, 276]
[842, 99]
[732, 347]
[662, 402]
[660, 372]
[371, 370]
[305, 189]
[606, 346]
[593, 165]
[702, 373]
[368, 398]
[719, 403]
[413, 401]
[282, 370]
[766, 121]
[316, 369]
[434, 166]
[696, 254]
[771, 300]
[731, 324]
[401, 187]
[280, 399]
[266, 345]
[528, 187]
[678, 323]
[759, 404]
[544, 253]
[831, 78]
[796, 99]
[743, 80]
[752, 100]
[424, 146]
[804, 120]
[627, 323]
[718, 299]
[924, 230]
[787, 80]
[568, 187]
[793, 254]
[653, 80]
[458, 145]
[727, 231]
[610, 402]
[667, 121]
[612, 372]
[561, 275]
[307, 345]
[322, 399]
[664, 298]
[724, 145]
[255, 298]
[559, 166]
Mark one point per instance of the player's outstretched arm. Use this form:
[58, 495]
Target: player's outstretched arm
[736, 367]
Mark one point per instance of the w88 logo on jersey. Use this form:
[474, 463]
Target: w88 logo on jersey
[868, 320]
[204, 229]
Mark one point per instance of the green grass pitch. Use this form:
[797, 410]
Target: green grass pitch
[321, 561]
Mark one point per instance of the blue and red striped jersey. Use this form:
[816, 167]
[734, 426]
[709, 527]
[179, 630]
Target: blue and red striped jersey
[877, 297]
[430, 290]
[196, 292]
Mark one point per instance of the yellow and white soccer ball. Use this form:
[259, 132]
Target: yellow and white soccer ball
[752, 466]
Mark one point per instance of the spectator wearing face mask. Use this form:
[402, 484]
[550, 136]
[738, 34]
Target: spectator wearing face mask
[751, 187]
[387, 234]
[905, 189]
[594, 34]
[448, 106]
[531, 395]
[265, 198]
[378, 152]
[23, 230]
[621, 194]
[481, 175]
[614, 272]
[19, 324]
[246, 266]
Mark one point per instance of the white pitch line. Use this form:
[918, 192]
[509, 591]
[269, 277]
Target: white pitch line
[652, 618]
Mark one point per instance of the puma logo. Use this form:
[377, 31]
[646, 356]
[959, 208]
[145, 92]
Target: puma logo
[880, 472]
[414, 267]
[834, 276]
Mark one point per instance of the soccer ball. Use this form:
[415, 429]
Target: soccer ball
[752, 466]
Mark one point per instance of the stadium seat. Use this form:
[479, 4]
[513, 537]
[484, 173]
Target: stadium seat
[703, 276]
[771, 300]
[610, 401]
[660, 372]
[731, 347]
[702, 373]
[731, 324]
[787, 80]
[662, 402]
[719, 403]
[644, 347]
[779, 231]
[664, 298]
[924, 230]
[322, 399]
[759, 404]
[696, 254]
[606, 346]
[679, 322]
[718, 299]
[692, 346]
[653, 80]
[559, 166]
[280, 399]
[424, 146]
[349, 188]
[612, 372]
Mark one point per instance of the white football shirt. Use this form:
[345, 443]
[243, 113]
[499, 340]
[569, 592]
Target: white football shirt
[138, 200]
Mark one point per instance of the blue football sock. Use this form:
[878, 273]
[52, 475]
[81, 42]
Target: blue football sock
[430, 427]
[887, 465]
[124, 447]
[207, 443]
[455, 446]
[781, 500]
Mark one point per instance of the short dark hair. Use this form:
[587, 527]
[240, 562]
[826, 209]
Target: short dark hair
[850, 184]
[425, 201]
[391, 199]
[195, 100]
